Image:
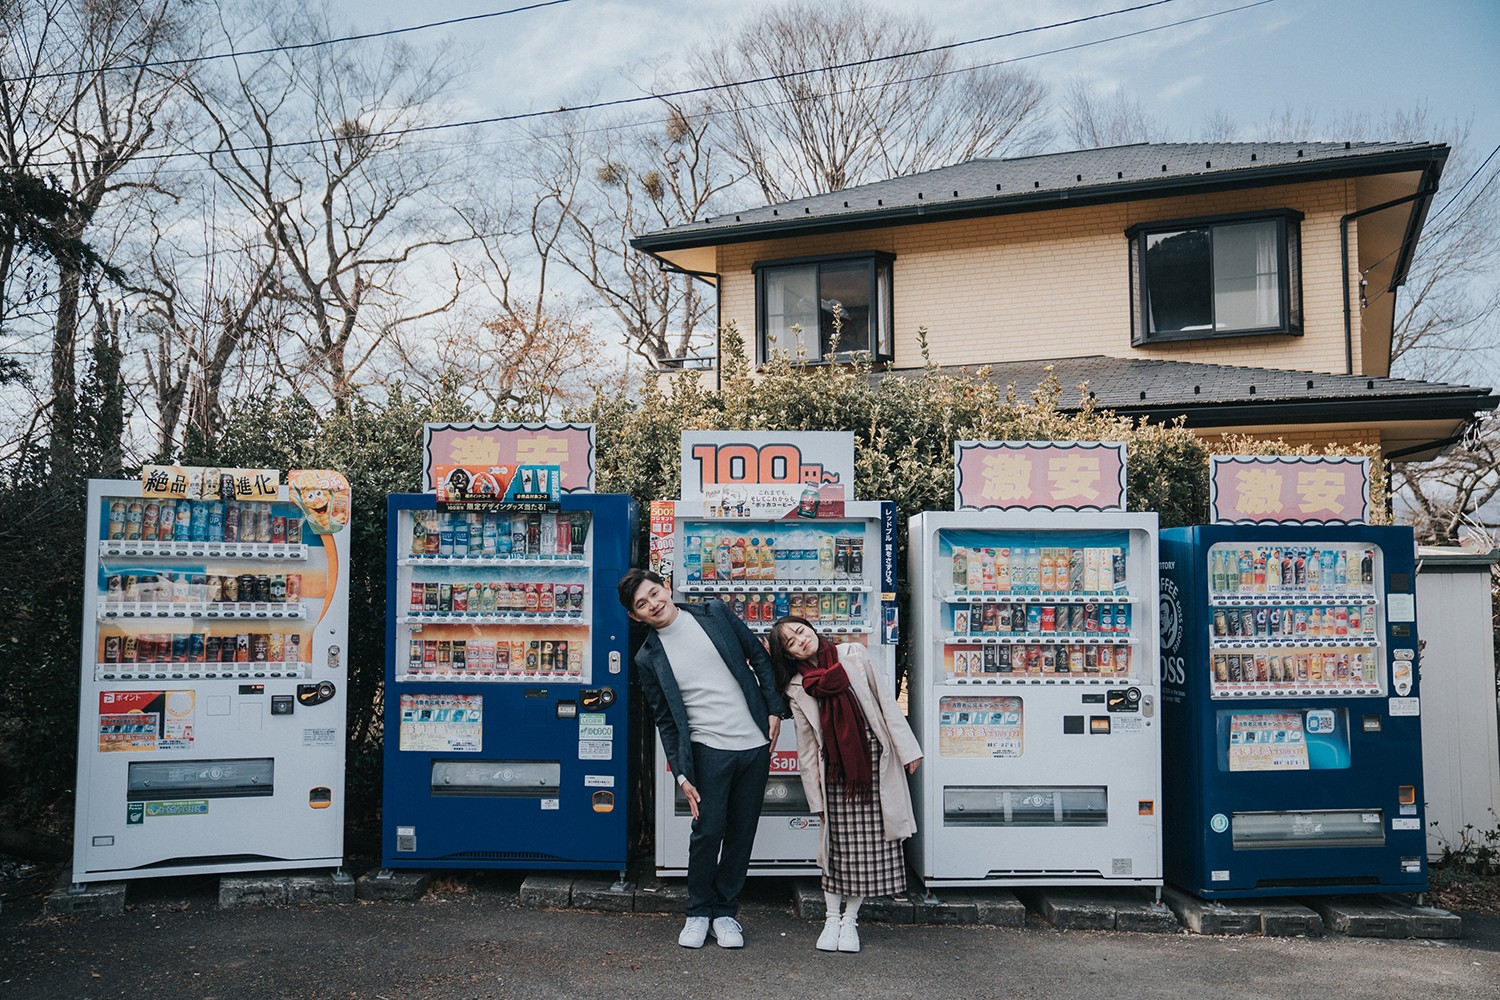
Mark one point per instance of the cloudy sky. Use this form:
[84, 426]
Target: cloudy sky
[1319, 57]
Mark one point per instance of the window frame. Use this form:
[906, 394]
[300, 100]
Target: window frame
[882, 313]
[1289, 270]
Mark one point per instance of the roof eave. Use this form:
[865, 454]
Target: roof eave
[1436, 406]
[1118, 191]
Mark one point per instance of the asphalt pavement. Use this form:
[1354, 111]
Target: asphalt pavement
[469, 938]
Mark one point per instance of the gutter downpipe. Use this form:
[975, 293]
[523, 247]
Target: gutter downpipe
[1427, 190]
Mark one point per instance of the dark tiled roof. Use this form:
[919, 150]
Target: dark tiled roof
[986, 186]
[1212, 395]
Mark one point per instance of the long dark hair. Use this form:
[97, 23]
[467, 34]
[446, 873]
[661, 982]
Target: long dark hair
[786, 667]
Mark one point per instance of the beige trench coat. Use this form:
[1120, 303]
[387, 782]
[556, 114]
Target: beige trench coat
[898, 746]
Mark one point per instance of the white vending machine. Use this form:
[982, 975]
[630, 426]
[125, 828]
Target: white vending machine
[838, 572]
[212, 695]
[1035, 693]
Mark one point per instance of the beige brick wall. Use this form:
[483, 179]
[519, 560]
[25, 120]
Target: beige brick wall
[1056, 284]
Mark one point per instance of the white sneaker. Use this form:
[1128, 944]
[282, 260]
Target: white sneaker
[728, 932]
[848, 934]
[694, 932]
[829, 939]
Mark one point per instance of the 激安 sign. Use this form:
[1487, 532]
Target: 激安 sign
[1039, 475]
[1289, 489]
[482, 448]
[768, 473]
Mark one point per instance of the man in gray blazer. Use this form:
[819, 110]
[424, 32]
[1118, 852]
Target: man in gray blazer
[713, 693]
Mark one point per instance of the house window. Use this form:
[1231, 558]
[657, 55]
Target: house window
[1222, 277]
[825, 308]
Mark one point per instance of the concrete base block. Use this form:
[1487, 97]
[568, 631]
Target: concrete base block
[387, 883]
[605, 894]
[1075, 911]
[1426, 921]
[85, 899]
[998, 907]
[1203, 916]
[807, 898]
[1360, 917]
[950, 906]
[1144, 915]
[655, 896]
[272, 890]
[1279, 919]
[888, 909]
[546, 892]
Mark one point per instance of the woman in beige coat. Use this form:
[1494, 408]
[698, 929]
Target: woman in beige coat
[853, 744]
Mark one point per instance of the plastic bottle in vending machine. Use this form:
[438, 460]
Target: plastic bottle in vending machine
[1314, 571]
[135, 517]
[768, 559]
[723, 560]
[1341, 570]
[737, 567]
[166, 522]
[825, 557]
[460, 537]
[1367, 570]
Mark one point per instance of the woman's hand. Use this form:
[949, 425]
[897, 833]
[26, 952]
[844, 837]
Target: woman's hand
[911, 768]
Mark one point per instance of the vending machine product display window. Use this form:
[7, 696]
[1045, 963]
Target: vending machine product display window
[212, 715]
[1034, 693]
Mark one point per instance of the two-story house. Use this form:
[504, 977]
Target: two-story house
[1248, 286]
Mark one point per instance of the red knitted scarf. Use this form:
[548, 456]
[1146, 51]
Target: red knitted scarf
[843, 723]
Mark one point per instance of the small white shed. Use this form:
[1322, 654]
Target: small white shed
[1460, 748]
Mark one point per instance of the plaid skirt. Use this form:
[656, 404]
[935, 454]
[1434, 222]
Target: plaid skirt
[861, 862]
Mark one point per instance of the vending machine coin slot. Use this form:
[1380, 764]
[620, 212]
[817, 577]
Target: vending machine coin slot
[1371, 723]
[315, 694]
[567, 710]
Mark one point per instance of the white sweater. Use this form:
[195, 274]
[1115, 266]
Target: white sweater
[717, 714]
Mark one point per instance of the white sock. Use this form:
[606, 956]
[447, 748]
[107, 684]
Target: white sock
[832, 900]
[851, 907]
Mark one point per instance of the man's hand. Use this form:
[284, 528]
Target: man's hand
[692, 797]
[775, 729]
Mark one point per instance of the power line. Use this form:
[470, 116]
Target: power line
[287, 48]
[1466, 183]
[710, 88]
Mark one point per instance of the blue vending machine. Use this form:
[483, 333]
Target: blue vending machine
[507, 686]
[1292, 751]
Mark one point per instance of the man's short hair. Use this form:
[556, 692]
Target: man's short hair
[634, 580]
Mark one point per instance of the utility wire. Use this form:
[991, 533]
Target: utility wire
[1466, 183]
[294, 47]
[710, 88]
